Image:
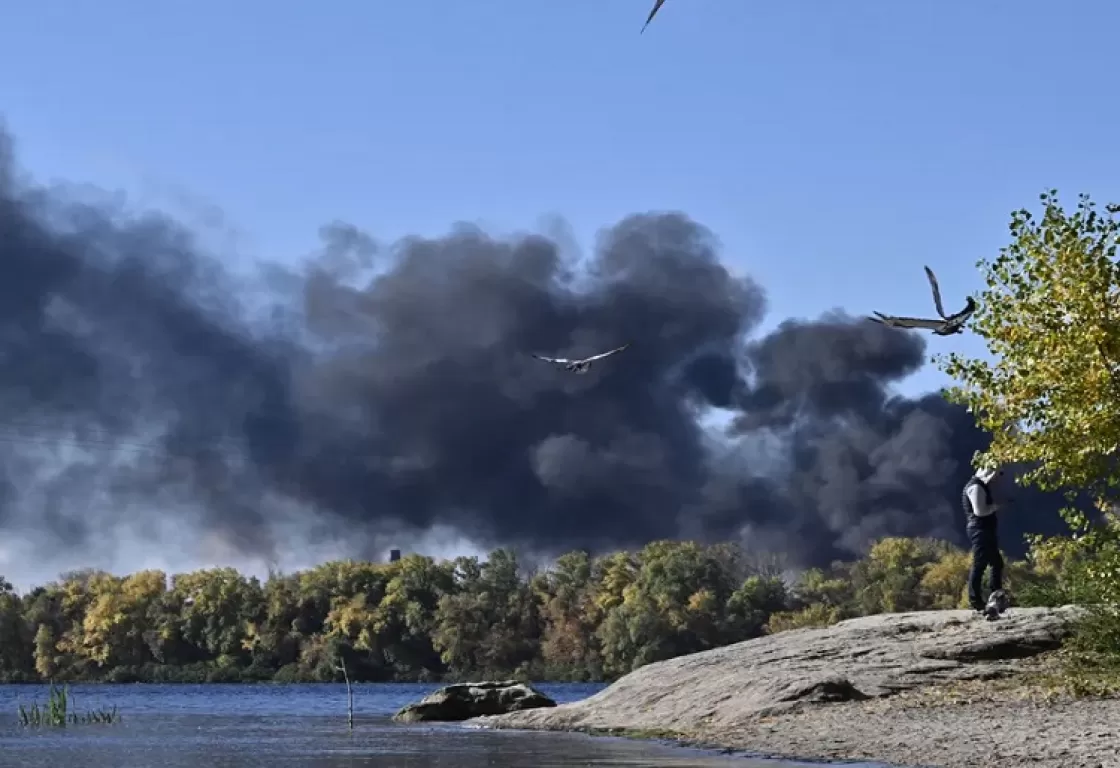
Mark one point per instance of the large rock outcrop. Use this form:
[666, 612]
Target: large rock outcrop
[862, 658]
[466, 700]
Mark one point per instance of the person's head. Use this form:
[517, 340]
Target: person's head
[986, 475]
[985, 471]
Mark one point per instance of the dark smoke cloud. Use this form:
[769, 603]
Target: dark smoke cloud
[386, 390]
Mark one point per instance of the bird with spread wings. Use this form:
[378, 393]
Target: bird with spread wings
[656, 7]
[946, 326]
[580, 366]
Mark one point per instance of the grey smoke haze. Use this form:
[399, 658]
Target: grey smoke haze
[387, 392]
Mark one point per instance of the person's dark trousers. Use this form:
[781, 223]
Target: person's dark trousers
[985, 555]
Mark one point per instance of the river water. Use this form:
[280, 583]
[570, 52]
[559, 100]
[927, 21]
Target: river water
[304, 726]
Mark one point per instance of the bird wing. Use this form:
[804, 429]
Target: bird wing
[936, 291]
[907, 322]
[969, 308]
[557, 360]
[601, 355]
[656, 7]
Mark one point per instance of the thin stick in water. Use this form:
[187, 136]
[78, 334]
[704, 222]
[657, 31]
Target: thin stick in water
[349, 695]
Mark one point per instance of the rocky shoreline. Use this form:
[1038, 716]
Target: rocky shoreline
[937, 689]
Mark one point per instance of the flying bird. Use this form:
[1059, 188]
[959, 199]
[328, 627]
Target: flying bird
[656, 7]
[579, 366]
[946, 326]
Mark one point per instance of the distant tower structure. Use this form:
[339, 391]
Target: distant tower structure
[394, 555]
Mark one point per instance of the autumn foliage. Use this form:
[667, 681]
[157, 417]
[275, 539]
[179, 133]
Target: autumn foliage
[1049, 390]
[584, 618]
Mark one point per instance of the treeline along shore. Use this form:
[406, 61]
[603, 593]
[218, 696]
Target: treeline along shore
[419, 619]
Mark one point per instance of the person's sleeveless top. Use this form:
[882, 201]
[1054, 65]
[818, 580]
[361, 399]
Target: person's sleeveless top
[966, 504]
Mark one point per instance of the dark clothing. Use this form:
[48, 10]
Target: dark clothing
[983, 534]
[984, 537]
[966, 503]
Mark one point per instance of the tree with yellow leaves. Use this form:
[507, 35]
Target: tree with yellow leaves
[1050, 315]
[1050, 395]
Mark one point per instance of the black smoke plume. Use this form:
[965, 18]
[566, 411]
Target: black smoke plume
[381, 391]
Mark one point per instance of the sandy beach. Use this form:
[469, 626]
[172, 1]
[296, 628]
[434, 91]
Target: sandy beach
[927, 730]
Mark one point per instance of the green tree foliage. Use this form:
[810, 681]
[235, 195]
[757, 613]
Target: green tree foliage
[569, 613]
[489, 622]
[676, 600]
[17, 646]
[1049, 393]
[582, 618]
[1050, 315]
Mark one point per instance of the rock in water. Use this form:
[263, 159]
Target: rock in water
[466, 700]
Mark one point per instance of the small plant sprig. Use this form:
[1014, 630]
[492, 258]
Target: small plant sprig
[59, 712]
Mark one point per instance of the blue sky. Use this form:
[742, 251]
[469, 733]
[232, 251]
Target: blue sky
[834, 147]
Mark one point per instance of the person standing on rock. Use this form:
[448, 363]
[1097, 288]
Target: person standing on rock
[980, 511]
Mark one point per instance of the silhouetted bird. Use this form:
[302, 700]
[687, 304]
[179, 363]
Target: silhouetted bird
[946, 326]
[579, 366]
